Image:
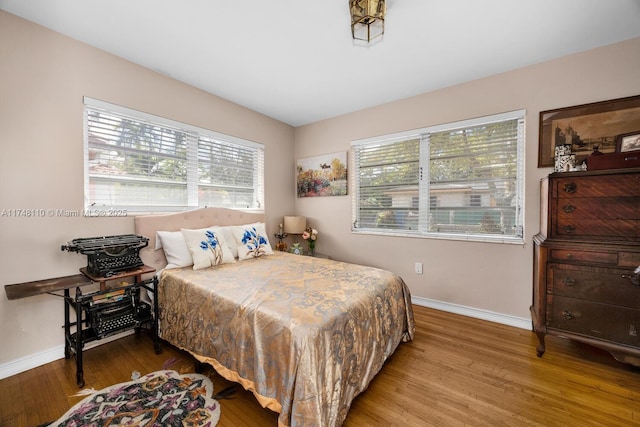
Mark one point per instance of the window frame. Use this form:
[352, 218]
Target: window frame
[193, 137]
[427, 201]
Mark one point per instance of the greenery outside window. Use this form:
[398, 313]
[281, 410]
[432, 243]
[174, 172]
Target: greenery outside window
[144, 163]
[467, 177]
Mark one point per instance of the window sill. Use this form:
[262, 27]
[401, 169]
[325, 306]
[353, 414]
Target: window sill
[454, 237]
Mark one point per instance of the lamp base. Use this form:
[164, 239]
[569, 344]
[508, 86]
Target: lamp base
[296, 249]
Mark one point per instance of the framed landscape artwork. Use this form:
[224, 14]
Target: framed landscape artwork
[322, 175]
[586, 127]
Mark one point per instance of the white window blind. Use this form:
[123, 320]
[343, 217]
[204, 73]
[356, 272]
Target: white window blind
[140, 162]
[387, 182]
[462, 180]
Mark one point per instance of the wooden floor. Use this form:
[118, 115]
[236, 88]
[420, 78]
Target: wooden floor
[458, 371]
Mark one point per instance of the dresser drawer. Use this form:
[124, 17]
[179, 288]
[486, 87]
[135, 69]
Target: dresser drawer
[602, 321]
[629, 259]
[624, 185]
[603, 285]
[604, 208]
[592, 257]
[597, 228]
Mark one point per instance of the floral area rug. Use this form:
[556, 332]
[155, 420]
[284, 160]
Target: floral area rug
[162, 398]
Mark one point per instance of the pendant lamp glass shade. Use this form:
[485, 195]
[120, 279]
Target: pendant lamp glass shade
[367, 19]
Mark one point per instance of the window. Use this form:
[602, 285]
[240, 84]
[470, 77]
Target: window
[467, 177]
[144, 163]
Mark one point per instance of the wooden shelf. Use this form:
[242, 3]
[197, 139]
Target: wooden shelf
[137, 273]
[45, 286]
[38, 287]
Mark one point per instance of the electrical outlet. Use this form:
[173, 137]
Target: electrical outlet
[418, 268]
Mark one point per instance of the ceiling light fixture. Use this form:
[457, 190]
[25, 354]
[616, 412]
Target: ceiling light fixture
[367, 19]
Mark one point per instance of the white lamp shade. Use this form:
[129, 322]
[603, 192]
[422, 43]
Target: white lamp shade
[295, 224]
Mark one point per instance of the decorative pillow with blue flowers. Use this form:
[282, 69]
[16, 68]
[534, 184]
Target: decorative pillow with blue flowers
[208, 247]
[252, 241]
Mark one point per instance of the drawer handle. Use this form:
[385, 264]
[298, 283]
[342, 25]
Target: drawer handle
[570, 187]
[569, 229]
[567, 314]
[569, 208]
[568, 281]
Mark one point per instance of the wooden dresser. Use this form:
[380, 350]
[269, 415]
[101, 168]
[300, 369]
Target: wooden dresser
[584, 285]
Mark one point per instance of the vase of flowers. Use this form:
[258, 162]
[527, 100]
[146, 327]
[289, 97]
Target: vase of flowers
[311, 235]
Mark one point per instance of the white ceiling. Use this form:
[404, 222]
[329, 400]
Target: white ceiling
[295, 61]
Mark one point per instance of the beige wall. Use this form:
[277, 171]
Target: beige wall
[483, 276]
[43, 78]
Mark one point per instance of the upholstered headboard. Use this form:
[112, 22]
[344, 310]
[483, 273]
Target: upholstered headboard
[148, 225]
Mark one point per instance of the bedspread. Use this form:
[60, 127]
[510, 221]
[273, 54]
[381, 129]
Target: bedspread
[305, 335]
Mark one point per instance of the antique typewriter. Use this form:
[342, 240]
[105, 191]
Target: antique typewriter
[110, 254]
[113, 310]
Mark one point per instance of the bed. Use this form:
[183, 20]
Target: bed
[305, 335]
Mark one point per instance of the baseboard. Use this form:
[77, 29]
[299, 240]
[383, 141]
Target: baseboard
[47, 356]
[31, 361]
[518, 322]
[42, 358]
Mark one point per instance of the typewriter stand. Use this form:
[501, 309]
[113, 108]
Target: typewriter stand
[101, 314]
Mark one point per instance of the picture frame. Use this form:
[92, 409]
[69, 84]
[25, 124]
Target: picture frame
[586, 127]
[628, 142]
[324, 175]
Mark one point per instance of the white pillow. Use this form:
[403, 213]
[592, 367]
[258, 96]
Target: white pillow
[174, 247]
[208, 247]
[252, 241]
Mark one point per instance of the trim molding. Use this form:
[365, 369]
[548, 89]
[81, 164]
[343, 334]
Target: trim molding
[31, 361]
[47, 356]
[491, 316]
[42, 358]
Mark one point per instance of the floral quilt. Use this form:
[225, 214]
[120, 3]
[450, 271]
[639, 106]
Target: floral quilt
[305, 335]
